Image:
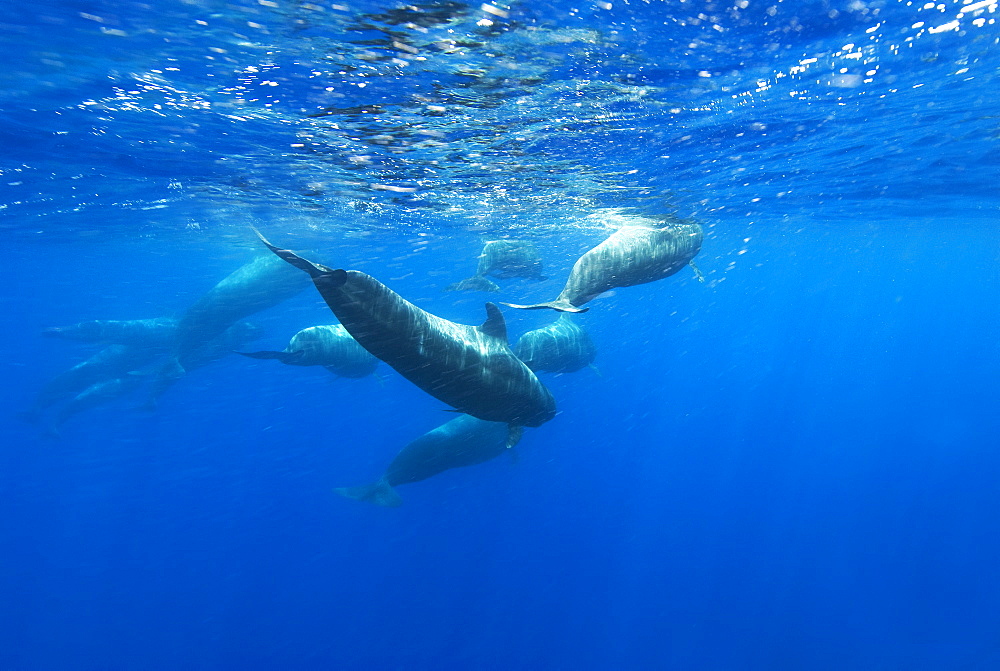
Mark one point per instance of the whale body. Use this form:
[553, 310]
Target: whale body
[110, 363]
[504, 259]
[330, 346]
[634, 254]
[470, 368]
[258, 285]
[159, 332]
[464, 441]
[560, 347]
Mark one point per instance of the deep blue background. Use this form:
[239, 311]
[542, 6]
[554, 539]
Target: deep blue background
[793, 468]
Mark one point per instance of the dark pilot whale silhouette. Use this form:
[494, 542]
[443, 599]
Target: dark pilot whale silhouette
[634, 254]
[330, 346]
[464, 441]
[504, 259]
[471, 368]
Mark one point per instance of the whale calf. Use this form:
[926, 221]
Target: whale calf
[464, 441]
[471, 368]
[504, 259]
[560, 347]
[634, 254]
[330, 346]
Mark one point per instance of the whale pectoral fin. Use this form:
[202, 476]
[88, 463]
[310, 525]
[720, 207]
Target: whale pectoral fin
[291, 358]
[514, 434]
[380, 493]
[596, 370]
[697, 272]
[314, 269]
[495, 326]
[561, 306]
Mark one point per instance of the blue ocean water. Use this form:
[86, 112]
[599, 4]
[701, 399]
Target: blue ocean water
[791, 465]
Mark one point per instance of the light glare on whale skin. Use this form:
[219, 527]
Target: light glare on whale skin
[634, 254]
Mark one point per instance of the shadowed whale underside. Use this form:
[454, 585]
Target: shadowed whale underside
[470, 368]
[634, 254]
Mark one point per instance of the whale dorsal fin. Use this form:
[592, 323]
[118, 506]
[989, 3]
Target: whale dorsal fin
[494, 326]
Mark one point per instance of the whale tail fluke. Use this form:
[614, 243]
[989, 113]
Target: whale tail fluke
[314, 269]
[380, 493]
[474, 283]
[558, 304]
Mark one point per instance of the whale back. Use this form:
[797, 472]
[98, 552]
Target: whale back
[510, 258]
[561, 347]
[630, 256]
[255, 286]
[470, 368]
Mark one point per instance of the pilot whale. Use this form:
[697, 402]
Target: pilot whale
[158, 332]
[504, 259]
[560, 347]
[110, 363]
[634, 254]
[470, 368]
[464, 441]
[95, 395]
[330, 346]
[255, 286]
